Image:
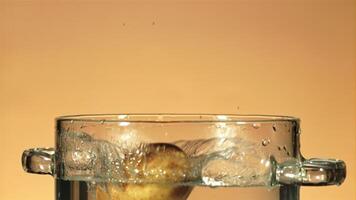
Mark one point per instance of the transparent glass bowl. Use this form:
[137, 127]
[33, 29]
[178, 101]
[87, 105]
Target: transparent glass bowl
[179, 156]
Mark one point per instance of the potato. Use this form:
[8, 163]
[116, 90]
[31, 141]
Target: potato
[160, 170]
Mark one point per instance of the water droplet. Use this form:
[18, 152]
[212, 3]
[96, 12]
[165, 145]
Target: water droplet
[265, 142]
[102, 121]
[124, 123]
[274, 127]
[222, 117]
[256, 125]
[71, 121]
[122, 116]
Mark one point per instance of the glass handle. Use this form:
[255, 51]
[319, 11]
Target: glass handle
[314, 172]
[38, 160]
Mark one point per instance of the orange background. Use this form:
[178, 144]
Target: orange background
[278, 57]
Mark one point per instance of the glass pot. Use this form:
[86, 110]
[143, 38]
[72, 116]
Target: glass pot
[178, 157]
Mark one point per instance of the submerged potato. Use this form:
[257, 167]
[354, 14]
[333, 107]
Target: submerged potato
[164, 165]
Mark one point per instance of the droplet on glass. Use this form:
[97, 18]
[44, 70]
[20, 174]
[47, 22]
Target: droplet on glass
[274, 127]
[124, 123]
[256, 125]
[265, 142]
[222, 117]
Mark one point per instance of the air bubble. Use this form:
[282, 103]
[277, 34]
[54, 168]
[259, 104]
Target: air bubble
[256, 125]
[279, 148]
[284, 148]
